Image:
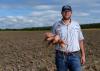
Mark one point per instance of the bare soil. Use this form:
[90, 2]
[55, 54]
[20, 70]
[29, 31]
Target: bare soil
[26, 51]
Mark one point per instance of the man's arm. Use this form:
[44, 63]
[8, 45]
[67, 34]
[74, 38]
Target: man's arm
[81, 42]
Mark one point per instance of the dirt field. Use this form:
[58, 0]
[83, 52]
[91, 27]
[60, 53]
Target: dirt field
[26, 51]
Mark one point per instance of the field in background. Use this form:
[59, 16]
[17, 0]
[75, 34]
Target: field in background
[26, 51]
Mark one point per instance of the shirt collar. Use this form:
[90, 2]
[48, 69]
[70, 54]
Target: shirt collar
[62, 22]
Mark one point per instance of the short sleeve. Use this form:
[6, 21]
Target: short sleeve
[53, 28]
[80, 34]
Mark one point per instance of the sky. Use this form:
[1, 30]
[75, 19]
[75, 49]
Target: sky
[39, 13]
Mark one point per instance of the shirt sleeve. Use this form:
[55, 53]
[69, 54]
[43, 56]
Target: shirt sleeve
[80, 34]
[53, 29]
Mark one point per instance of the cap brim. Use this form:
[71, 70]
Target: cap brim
[67, 10]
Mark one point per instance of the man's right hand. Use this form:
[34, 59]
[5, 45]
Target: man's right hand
[62, 43]
[54, 39]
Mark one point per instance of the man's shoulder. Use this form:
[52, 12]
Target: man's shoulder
[57, 23]
[76, 23]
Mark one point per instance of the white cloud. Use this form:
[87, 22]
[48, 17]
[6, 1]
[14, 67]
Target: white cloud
[35, 19]
[2, 18]
[20, 17]
[46, 7]
[95, 11]
[10, 16]
[95, 5]
[36, 13]
[44, 13]
[81, 14]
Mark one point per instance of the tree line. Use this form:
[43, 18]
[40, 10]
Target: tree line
[83, 26]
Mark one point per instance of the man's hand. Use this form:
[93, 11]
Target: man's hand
[49, 36]
[82, 52]
[83, 60]
[61, 42]
[54, 39]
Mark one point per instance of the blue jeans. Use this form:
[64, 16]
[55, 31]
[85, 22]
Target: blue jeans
[64, 62]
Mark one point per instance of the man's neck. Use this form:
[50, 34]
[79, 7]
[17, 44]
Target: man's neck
[67, 22]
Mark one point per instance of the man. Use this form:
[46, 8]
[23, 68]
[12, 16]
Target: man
[70, 32]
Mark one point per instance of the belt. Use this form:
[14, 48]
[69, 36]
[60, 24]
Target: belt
[67, 53]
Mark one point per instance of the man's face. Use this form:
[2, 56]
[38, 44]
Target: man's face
[66, 15]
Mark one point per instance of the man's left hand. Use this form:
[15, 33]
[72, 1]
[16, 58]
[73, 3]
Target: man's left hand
[83, 60]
